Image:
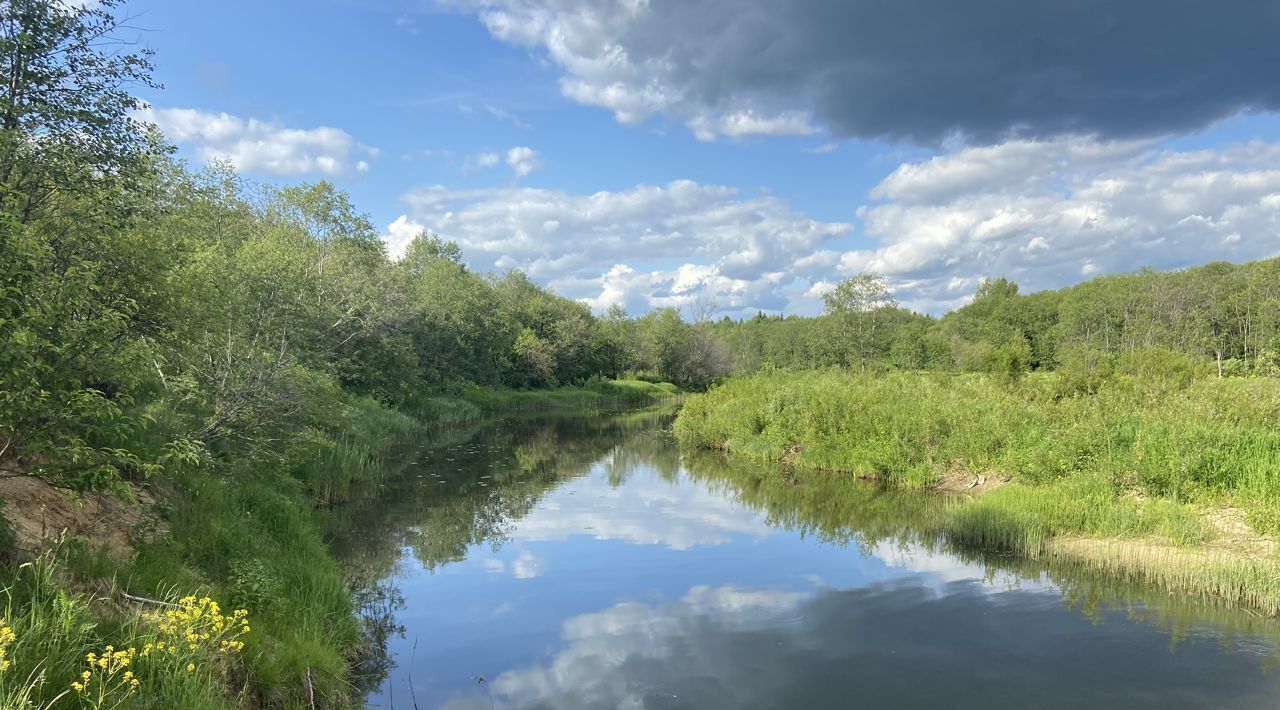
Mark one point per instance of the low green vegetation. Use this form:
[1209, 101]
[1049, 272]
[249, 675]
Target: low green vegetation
[59, 649]
[1163, 458]
[595, 393]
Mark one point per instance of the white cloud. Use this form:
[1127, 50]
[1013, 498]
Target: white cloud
[1048, 214]
[479, 161]
[399, 234]
[1008, 166]
[257, 146]
[643, 247]
[944, 568]
[523, 160]
[407, 23]
[590, 42]
[528, 565]
[1043, 213]
[648, 511]
[592, 670]
[740, 124]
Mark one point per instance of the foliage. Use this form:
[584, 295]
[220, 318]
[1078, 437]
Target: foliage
[1204, 441]
[1139, 453]
[1224, 314]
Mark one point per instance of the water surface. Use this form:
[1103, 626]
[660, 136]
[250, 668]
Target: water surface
[579, 562]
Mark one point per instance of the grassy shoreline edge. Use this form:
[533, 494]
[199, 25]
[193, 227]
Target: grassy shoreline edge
[1121, 478]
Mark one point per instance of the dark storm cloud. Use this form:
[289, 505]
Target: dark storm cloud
[919, 70]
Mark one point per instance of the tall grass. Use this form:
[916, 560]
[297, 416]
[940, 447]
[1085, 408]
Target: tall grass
[595, 393]
[443, 411]
[246, 531]
[69, 649]
[332, 463]
[1133, 458]
[1207, 439]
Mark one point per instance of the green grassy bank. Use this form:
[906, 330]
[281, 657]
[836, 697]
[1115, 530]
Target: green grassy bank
[1170, 479]
[595, 393]
[241, 529]
[474, 402]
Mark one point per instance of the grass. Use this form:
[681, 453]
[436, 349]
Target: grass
[67, 649]
[595, 393]
[1139, 460]
[246, 532]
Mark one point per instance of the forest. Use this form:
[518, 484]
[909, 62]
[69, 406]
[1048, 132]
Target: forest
[232, 358]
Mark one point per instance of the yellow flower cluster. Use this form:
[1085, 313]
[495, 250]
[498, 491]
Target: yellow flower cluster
[107, 673]
[182, 635]
[7, 637]
[199, 625]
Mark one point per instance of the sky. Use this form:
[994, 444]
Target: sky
[652, 153]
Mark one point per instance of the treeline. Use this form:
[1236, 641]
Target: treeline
[223, 311]
[138, 295]
[1224, 316]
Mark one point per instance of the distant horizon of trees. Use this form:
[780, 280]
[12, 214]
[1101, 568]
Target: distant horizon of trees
[1223, 314]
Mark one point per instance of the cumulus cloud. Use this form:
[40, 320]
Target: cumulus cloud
[603, 647]
[399, 234]
[937, 569]
[526, 565]
[1051, 213]
[649, 510]
[1046, 213]
[920, 70]
[731, 646]
[644, 247]
[523, 160]
[257, 146]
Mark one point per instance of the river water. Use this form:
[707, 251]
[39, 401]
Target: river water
[581, 562]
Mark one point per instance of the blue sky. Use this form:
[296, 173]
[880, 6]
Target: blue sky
[654, 153]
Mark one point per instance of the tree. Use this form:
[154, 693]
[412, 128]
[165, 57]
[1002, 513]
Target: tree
[857, 313]
[77, 175]
[66, 119]
[863, 293]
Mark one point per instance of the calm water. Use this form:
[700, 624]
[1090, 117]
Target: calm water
[578, 562]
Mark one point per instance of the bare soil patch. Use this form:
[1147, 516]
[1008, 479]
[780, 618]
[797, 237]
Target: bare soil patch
[37, 514]
[961, 480]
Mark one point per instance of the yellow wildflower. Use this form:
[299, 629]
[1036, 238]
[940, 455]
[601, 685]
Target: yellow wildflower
[7, 637]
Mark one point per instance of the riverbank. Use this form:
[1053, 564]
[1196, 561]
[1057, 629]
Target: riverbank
[1174, 481]
[240, 530]
[476, 402]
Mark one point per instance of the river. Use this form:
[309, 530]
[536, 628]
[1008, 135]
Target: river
[580, 561]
